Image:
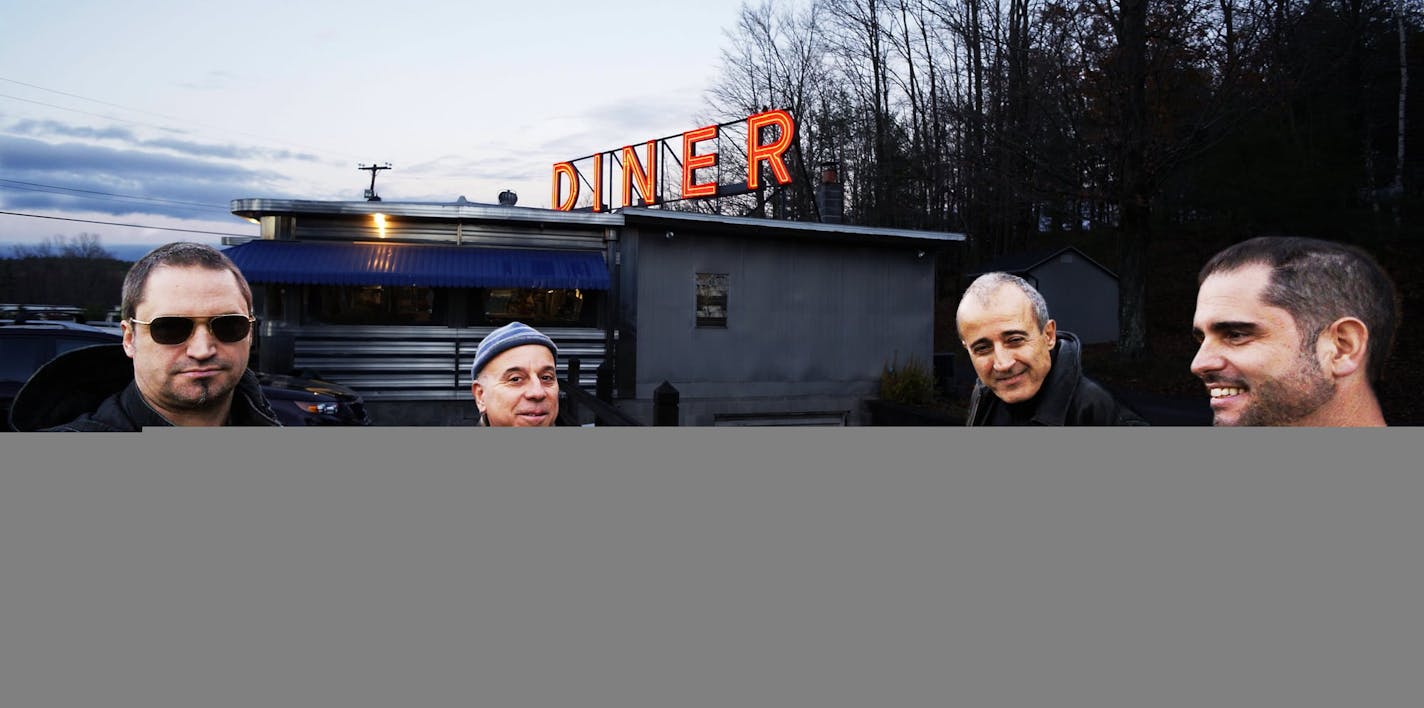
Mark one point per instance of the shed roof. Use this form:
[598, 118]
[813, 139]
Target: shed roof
[1027, 261]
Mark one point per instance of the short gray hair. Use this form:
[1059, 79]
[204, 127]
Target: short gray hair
[985, 286]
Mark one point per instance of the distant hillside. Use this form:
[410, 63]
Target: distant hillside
[91, 283]
[127, 252]
[130, 252]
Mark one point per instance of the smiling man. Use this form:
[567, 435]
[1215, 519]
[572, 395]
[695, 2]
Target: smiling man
[187, 324]
[1293, 331]
[515, 380]
[1029, 372]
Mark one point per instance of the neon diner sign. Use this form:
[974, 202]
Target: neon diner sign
[644, 169]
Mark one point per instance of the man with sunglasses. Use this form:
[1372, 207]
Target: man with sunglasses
[187, 334]
[1030, 372]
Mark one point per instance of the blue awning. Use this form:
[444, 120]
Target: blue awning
[403, 264]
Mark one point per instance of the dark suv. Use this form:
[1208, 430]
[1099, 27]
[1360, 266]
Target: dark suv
[24, 348]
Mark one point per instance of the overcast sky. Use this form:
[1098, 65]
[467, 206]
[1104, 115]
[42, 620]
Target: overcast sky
[189, 105]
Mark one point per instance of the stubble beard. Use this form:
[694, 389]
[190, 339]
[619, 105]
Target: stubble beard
[209, 396]
[1287, 400]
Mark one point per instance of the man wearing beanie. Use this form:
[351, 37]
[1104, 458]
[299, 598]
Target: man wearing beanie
[515, 380]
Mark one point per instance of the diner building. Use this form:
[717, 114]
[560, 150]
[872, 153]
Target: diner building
[749, 320]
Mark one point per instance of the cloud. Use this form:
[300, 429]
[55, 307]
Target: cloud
[657, 115]
[481, 179]
[231, 152]
[127, 137]
[206, 185]
[54, 127]
[148, 229]
[609, 126]
[215, 80]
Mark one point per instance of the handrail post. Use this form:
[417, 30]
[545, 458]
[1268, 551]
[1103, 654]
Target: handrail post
[665, 404]
[570, 399]
[604, 388]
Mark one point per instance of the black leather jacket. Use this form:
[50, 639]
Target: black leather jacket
[1067, 397]
[93, 389]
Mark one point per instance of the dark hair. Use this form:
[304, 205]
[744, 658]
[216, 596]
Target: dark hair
[178, 254]
[1318, 282]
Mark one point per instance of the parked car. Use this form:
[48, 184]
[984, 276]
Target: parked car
[299, 401]
[24, 348]
[12, 311]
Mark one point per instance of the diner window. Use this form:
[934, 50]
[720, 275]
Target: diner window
[375, 305]
[712, 299]
[267, 301]
[536, 306]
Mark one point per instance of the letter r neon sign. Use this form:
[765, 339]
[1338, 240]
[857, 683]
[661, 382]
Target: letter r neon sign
[771, 152]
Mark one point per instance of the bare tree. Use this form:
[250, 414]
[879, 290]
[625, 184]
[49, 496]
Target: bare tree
[857, 31]
[776, 58]
[44, 249]
[1121, 117]
[83, 245]
[1397, 189]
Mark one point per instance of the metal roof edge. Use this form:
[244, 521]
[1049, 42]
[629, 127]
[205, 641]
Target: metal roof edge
[1090, 259]
[645, 213]
[254, 207]
[1048, 257]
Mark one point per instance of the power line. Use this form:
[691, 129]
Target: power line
[150, 125]
[91, 100]
[117, 198]
[115, 223]
[51, 189]
[87, 113]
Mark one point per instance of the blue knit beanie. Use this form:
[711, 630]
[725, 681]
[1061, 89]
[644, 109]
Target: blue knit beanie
[514, 334]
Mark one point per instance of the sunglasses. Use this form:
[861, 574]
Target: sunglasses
[176, 330]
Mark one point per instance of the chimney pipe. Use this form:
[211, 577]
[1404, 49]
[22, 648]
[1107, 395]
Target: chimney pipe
[830, 194]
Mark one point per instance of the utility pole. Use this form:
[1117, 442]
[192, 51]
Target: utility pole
[373, 168]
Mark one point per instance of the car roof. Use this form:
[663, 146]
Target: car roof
[57, 325]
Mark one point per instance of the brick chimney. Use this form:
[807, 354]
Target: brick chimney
[830, 195]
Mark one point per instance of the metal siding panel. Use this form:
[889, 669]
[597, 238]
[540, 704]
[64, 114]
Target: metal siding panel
[804, 318]
[345, 230]
[1082, 298]
[421, 363]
